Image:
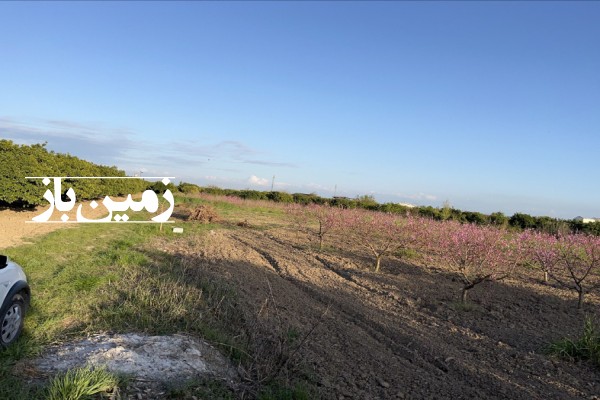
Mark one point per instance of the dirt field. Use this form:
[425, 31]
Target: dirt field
[399, 333]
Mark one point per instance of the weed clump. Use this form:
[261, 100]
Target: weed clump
[587, 347]
[82, 383]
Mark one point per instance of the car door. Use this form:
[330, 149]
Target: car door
[5, 278]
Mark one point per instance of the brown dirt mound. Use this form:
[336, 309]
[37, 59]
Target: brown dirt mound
[204, 214]
[244, 224]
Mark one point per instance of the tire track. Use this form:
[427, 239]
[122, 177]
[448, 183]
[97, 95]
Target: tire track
[396, 342]
[267, 257]
[413, 357]
[346, 276]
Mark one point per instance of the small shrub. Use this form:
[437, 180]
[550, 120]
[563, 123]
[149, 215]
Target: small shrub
[280, 197]
[188, 188]
[407, 254]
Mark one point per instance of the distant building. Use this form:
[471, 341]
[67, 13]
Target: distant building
[586, 220]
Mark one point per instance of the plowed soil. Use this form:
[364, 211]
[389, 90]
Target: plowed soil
[400, 333]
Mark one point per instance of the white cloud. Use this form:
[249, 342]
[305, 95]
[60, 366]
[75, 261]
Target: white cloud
[128, 149]
[94, 142]
[255, 180]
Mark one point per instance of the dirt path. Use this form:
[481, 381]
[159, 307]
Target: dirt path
[14, 229]
[16, 226]
[398, 334]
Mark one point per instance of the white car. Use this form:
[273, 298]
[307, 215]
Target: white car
[14, 297]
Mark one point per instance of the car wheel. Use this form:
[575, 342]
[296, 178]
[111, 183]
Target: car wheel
[11, 320]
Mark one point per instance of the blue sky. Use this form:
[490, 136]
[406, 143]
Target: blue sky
[493, 106]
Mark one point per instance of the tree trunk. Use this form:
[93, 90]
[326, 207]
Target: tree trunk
[580, 300]
[463, 295]
[545, 276]
[321, 235]
[377, 263]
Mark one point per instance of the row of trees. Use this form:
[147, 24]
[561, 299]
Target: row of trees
[518, 221]
[474, 253]
[20, 161]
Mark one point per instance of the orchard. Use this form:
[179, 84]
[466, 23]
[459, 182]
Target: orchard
[474, 253]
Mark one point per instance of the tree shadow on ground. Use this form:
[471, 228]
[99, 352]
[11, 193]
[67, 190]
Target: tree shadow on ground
[405, 337]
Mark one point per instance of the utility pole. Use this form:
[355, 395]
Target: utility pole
[335, 190]
[273, 183]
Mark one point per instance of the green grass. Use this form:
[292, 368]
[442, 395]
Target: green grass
[587, 347]
[82, 383]
[67, 268]
[408, 254]
[98, 277]
[229, 210]
[110, 277]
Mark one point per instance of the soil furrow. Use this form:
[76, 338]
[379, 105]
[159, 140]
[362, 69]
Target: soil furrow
[373, 325]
